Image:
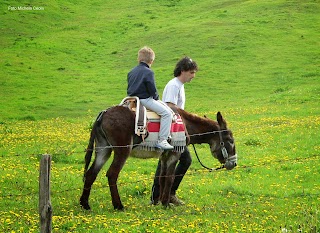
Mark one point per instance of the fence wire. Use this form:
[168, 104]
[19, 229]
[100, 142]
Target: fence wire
[32, 192]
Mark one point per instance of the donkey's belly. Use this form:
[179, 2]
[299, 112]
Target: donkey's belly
[143, 154]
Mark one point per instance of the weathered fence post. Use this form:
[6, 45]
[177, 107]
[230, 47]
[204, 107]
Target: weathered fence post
[45, 209]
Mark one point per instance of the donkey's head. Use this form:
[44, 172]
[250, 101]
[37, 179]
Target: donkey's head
[223, 147]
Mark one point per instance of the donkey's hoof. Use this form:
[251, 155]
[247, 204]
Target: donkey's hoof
[119, 207]
[167, 205]
[85, 205]
[155, 202]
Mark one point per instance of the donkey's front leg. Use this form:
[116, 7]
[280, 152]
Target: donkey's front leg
[170, 166]
[162, 177]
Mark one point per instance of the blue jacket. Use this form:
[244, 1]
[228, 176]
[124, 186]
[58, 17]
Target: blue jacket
[141, 82]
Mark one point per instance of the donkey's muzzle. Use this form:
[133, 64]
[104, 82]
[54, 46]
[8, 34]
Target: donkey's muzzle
[231, 162]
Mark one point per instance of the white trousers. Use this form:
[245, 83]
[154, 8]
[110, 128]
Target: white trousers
[165, 114]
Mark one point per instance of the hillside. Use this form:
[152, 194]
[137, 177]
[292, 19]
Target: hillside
[71, 57]
[62, 62]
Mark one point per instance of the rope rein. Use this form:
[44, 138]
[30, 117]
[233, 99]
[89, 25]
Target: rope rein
[210, 169]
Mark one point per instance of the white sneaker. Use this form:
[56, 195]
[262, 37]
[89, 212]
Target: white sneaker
[164, 145]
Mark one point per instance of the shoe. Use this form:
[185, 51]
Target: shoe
[176, 201]
[164, 145]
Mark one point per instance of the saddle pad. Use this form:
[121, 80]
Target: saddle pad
[153, 126]
[177, 132]
[142, 114]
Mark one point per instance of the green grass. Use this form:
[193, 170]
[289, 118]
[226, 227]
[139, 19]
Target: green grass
[259, 66]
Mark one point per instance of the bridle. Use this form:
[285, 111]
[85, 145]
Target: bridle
[230, 160]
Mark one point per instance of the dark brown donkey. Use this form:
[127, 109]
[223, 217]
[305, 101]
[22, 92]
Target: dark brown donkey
[114, 131]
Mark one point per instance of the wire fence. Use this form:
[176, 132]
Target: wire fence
[282, 160]
[189, 173]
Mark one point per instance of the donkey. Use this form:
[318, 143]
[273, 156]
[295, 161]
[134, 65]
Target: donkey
[114, 131]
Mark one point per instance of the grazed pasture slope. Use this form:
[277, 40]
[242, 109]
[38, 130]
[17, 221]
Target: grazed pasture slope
[259, 66]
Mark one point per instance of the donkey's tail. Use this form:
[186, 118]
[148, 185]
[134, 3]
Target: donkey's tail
[89, 149]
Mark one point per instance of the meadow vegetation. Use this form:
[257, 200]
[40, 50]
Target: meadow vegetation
[259, 66]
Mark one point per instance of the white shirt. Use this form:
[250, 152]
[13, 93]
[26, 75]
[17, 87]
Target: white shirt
[174, 93]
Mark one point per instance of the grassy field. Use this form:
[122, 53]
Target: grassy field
[64, 61]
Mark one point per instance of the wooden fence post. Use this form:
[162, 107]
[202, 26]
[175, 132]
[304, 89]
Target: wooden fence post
[45, 209]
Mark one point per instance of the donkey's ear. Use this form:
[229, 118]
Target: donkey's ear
[221, 121]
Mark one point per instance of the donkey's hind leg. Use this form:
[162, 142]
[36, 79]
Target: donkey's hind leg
[120, 157]
[102, 155]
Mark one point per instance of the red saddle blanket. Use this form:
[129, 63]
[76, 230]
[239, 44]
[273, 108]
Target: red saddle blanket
[177, 133]
[153, 126]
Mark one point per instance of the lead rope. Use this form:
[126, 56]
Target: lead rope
[210, 169]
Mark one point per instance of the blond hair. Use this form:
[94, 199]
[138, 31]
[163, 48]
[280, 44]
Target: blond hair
[146, 55]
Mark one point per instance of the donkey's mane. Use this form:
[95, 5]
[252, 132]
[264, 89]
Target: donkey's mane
[195, 118]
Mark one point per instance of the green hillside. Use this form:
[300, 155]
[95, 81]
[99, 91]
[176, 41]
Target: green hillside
[73, 56]
[62, 62]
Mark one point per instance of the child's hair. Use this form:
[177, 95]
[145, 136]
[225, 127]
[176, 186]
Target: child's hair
[146, 55]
